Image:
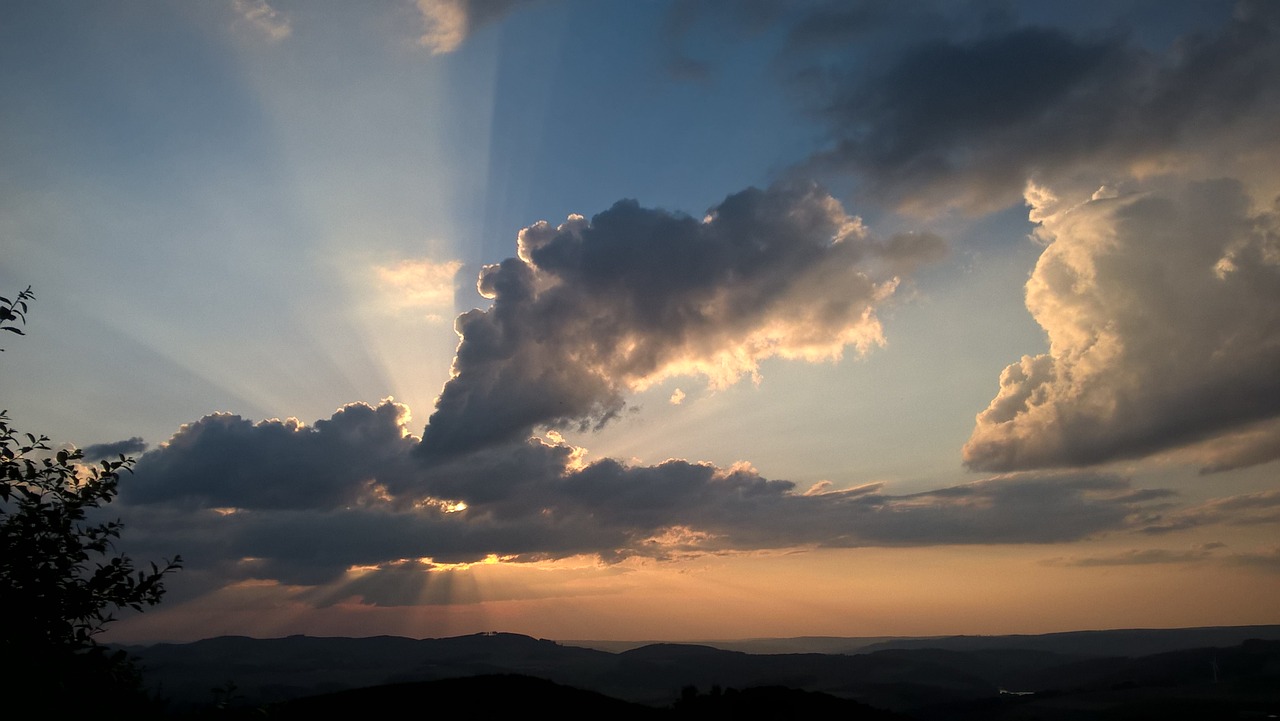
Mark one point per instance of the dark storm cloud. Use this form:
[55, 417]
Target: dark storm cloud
[966, 118]
[682, 506]
[851, 25]
[224, 460]
[839, 32]
[1012, 509]
[348, 493]
[128, 447]
[947, 111]
[590, 311]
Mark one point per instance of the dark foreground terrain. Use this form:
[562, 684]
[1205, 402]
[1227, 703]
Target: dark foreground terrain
[1224, 673]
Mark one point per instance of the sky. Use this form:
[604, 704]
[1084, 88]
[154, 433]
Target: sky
[660, 320]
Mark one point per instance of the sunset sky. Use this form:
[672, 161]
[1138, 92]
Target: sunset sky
[658, 320]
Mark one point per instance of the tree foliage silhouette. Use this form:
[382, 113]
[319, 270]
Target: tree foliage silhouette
[60, 576]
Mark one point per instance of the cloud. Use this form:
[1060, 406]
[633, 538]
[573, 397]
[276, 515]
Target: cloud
[592, 310]
[1246, 509]
[1162, 310]
[225, 461]
[946, 111]
[312, 504]
[264, 18]
[419, 284]
[1146, 152]
[963, 114]
[1141, 557]
[1158, 296]
[1249, 446]
[698, 23]
[1267, 559]
[449, 22]
[129, 447]
[1011, 509]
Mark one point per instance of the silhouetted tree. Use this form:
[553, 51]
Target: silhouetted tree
[60, 577]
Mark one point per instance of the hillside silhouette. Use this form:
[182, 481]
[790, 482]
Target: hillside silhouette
[1009, 677]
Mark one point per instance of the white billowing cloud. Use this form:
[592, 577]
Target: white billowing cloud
[449, 22]
[1162, 310]
[592, 310]
[266, 19]
[420, 284]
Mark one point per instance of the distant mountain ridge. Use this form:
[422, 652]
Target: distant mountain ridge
[1119, 642]
[904, 675]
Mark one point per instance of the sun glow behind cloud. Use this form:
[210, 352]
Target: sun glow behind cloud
[422, 285]
[1001, 590]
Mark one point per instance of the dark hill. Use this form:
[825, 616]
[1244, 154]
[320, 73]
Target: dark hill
[910, 681]
[775, 702]
[1123, 642]
[490, 696]
[270, 670]
[1236, 682]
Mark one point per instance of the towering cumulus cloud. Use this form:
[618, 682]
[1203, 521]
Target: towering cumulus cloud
[591, 310]
[1148, 163]
[1163, 315]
